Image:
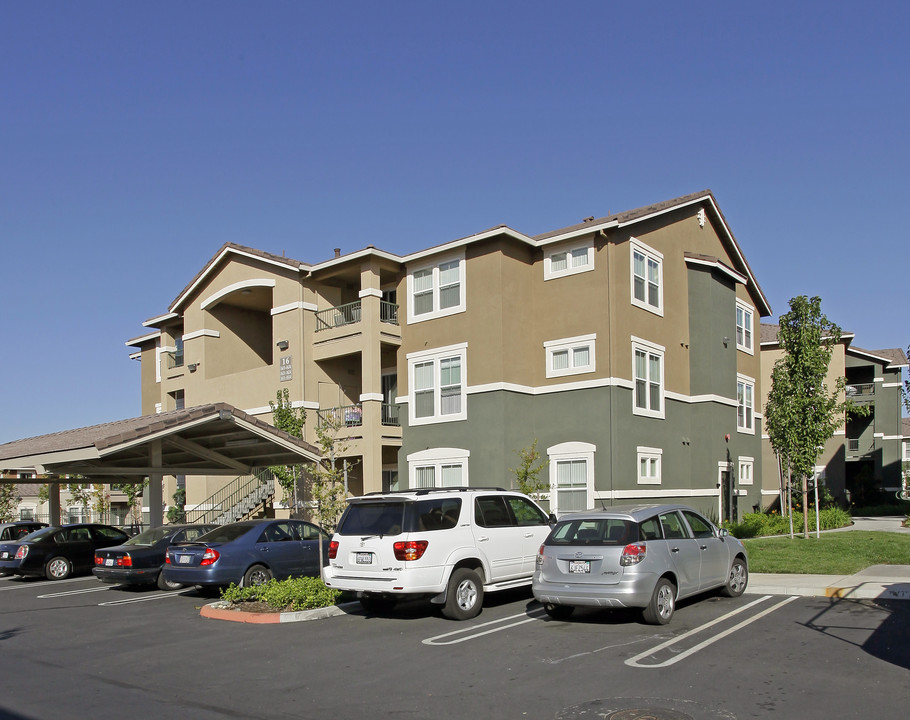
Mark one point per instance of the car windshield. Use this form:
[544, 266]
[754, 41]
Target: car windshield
[588, 531]
[225, 534]
[149, 537]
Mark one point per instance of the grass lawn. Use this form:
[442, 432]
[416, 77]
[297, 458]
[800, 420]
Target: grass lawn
[841, 553]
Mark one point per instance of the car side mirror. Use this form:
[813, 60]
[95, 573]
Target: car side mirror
[722, 532]
[551, 521]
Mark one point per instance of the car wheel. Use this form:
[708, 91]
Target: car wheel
[164, 584]
[377, 603]
[739, 578]
[257, 575]
[662, 605]
[464, 597]
[57, 568]
[558, 612]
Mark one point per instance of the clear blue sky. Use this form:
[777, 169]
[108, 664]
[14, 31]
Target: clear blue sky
[137, 137]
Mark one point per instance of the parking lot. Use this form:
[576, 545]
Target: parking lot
[77, 649]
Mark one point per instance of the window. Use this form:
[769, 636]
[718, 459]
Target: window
[571, 476]
[436, 290]
[907, 450]
[568, 260]
[649, 465]
[745, 404]
[744, 314]
[647, 280]
[648, 371]
[438, 468]
[570, 356]
[437, 385]
[746, 466]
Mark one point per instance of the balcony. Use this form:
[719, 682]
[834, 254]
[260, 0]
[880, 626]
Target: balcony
[349, 416]
[350, 313]
[340, 329]
[174, 359]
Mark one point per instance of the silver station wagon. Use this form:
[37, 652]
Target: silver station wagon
[642, 556]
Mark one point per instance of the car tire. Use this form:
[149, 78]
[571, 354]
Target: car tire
[377, 604]
[167, 585]
[663, 603]
[256, 575]
[464, 596]
[558, 612]
[57, 568]
[738, 579]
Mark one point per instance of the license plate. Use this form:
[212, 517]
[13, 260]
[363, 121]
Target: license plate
[184, 559]
[4, 555]
[364, 558]
[109, 561]
[579, 566]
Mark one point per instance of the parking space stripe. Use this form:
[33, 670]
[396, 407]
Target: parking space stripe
[634, 661]
[33, 585]
[144, 598]
[73, 592]
[471, 633]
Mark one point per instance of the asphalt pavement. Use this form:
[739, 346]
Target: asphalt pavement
[876, 582]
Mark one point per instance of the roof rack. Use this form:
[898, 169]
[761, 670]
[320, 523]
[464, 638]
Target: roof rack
[427, 491]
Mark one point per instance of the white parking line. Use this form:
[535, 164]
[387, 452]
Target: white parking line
[33, 585]
[470, 634]
[634, 661]
[143, 598]
[73, 592]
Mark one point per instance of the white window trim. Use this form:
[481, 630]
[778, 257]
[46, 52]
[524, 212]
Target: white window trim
[571, 344]
[635, 244]
[746, 380]
[436, 355]
[571, 451]
[746, 461]
[434, 266]
[906, 444]
[652, 348]
[550, 274]
[746, 307]
[649, 453]
[436, 458]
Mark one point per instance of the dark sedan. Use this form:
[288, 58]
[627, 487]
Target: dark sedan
[58, 552]
[140, 560]
[250, 552]
[18, 529]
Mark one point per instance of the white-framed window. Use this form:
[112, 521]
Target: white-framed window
[436, 381]
[436, 290]
[745, 404]
[438, 468]
[648, 378]
[649, 465]
[907, 450]
[571, 476]
[744, 327]
[570, 356]
[647, 277]
[568, 260]
[746, 470]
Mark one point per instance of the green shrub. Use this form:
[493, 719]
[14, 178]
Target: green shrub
[899, 507]
[765, 524]
[304, 593]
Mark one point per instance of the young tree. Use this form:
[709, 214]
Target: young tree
[133, 492]
[9, 502]
[327, 476]
[177, 512]
[292, 420]
[101, 501]
[801, 413]
[527, 474]
[81, 493]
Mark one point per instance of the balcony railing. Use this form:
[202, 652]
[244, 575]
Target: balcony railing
[390, 415]
[852, 444]
[338, 316]
[388, 312]
[174, 359]
[857, 389]
[343, 416]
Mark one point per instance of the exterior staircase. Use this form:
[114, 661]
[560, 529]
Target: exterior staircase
[243, 497]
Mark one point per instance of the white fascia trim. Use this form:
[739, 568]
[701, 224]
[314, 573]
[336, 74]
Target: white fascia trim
[586, 230]
[692, 399]
[439, 453]
[642, 493]
[234, 287]
[420, 354]
[359, 254]
[135, 342]
[869, 355]
[153, 436]
[889, 437]
[892, 385]
[718, 265]
[201, 333]
[649, 450]
[307, 405]
[370, 292]
[299, 305]
[648, 344]
[745, 378]
[135, 356]
[371, 396]
[296, 267]
[570, 341]
[160, 319]
[448, 247]
[746, 459]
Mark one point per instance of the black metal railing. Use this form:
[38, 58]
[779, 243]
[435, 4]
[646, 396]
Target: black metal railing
[338, 316]
[237, 499]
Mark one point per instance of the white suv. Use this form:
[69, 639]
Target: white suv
[452, 544]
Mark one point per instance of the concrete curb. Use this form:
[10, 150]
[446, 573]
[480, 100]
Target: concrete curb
[219, 611]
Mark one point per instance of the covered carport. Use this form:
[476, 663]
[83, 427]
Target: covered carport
[215, 439]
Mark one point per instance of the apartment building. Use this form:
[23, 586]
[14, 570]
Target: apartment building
[862, 460]
[625, 346]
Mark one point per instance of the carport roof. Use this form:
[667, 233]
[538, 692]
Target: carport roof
[215, 439]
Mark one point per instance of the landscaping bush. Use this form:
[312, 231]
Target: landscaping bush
[898, 507]
[765, 524]
[305, 593]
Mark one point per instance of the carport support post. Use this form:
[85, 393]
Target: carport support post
[155, 480]
[53, 503]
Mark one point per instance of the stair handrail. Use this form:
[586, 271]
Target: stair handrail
[223, 501]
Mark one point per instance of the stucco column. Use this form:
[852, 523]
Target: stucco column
[371, 375]
[53, 503]
[156, 518]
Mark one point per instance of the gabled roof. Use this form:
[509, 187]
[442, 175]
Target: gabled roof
[768, 335]
[892, 357]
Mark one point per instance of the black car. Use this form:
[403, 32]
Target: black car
[60, 551]
[14, 531]
[140, 559]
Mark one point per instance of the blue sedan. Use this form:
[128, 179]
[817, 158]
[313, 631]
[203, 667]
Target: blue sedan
[250, 552]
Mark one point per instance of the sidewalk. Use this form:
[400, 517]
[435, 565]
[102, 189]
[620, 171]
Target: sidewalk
[883, 582]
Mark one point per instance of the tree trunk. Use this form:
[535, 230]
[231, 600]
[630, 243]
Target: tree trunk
[804, 489]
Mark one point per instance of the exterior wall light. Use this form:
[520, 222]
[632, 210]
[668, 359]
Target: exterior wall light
[282, 344]
[192, 367]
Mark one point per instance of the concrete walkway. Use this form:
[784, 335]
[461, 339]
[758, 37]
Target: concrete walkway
[882, 582]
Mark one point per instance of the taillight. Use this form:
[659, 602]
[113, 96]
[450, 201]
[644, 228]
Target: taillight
[99, 560]
[123, 561]
[210, 557]
[633, 554]
[539, 558]
[167, 558]
[410, 549]
[333, 549]
[21, 552]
